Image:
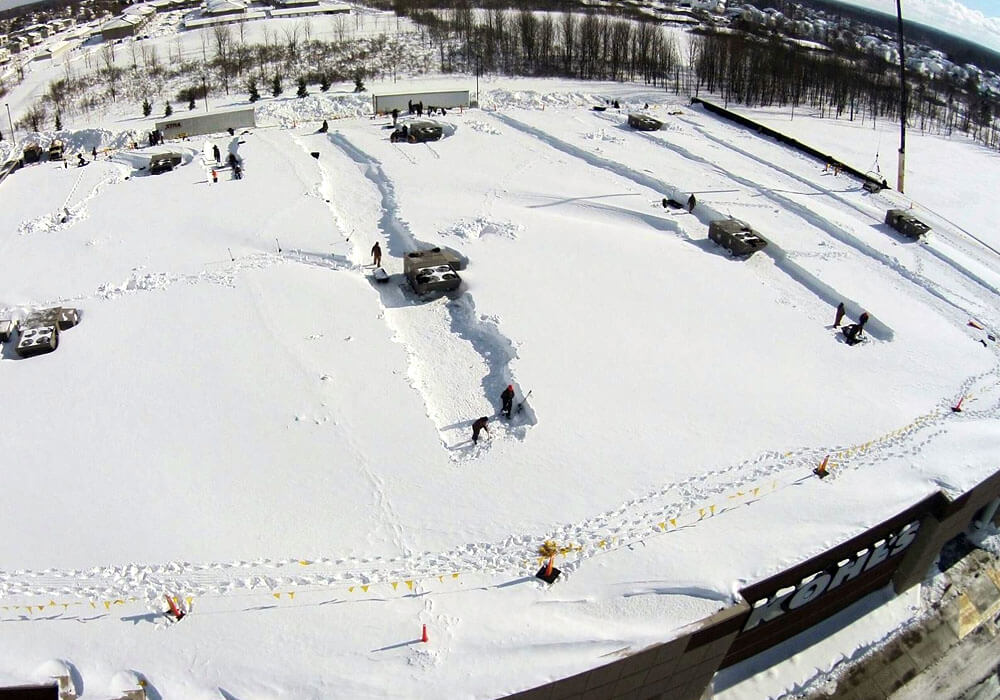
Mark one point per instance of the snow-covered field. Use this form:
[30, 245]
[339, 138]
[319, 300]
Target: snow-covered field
[244, 420]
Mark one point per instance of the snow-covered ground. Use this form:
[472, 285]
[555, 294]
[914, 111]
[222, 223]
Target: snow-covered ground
[244, 420]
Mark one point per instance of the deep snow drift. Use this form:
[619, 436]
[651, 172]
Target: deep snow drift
[244, 420]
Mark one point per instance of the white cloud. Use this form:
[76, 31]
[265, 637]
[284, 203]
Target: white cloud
[949, 16]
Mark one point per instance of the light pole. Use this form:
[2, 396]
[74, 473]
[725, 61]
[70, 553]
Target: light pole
[204, 90]
[13, 137]
[902, 101]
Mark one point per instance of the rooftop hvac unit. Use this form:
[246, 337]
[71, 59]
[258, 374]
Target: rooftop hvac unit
[37, 340]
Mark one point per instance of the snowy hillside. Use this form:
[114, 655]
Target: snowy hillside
[245, 420]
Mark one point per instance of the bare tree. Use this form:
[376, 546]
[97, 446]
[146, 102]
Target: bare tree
[292, 39]
[34, 117]
[223, 39]
[108, 55]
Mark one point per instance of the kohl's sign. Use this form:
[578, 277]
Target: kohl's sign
[818, 584]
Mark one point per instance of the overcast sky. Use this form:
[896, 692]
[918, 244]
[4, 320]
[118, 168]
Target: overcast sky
[978, 20]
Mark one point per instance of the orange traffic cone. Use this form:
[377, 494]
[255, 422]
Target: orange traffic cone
[549, 573]
[821, 471]
[174, 610]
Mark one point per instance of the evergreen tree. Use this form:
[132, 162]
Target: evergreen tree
[359, 80]
[302, 92]
[168, 111]
[147, 108]
[276, 85]
[252, 87]
[324, 83]
[58, 122]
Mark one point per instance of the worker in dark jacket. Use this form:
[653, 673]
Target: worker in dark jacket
[376, 254]
[853, 332]
[478, 427]
[216, 153]
[840, 315]
[507, 400]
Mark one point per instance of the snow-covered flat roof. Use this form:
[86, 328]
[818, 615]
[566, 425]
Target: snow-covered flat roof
[244, 420]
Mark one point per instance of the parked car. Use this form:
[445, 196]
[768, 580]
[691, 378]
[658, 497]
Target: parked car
[163, 162]
[424, 131]
[735, 236]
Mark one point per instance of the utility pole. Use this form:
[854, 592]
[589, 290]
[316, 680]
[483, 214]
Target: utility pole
[13, 137]
[902, 101]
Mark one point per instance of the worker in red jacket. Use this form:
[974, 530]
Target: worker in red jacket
[507, 400]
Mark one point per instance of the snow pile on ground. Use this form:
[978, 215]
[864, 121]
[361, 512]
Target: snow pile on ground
[246, 421]
[482, 127]
[479, 227]
[290, 111]
[502, 98]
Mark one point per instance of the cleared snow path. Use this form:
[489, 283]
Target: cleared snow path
[944, 250]
[837, 232]
[707, 214]
[459, 359]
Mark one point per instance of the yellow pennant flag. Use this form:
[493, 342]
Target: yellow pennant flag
[394, 585]
[276, 595]
[291, 594]
[364, 588]
[409, 584]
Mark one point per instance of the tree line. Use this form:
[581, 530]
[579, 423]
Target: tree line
[748, 70]
[738, 66]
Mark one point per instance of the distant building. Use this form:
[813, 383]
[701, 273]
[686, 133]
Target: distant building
[40, 29]
[298, 8]
[216, 8]
[122, 27]
[57, 50]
